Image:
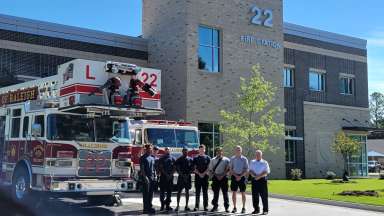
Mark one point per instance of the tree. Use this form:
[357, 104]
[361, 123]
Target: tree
[345, 146]
[253, 123]
[376, 108]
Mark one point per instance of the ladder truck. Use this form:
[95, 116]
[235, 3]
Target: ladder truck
[68, 133]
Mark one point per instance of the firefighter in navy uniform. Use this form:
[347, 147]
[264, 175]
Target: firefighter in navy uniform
[201, 164]
[184, 167]
[166, 170]
[148, 174]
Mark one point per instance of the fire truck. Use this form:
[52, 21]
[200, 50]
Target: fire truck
[76, 131]
[162, 133]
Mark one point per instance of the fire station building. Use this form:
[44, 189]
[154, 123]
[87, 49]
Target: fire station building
[203, 48]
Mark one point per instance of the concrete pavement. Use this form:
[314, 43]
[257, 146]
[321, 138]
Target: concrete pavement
[278, 207]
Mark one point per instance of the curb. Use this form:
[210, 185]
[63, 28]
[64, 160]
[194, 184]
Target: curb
[330, 202]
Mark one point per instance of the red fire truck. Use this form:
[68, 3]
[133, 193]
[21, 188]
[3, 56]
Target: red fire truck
[64, 133]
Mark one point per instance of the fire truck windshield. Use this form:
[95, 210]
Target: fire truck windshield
[68, 127]
[169, 137]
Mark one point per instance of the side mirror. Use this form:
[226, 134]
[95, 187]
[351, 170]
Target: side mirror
[36, 130]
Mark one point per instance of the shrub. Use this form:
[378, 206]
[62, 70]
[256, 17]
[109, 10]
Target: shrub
[296, 174]
[381, 175]
[330, 175]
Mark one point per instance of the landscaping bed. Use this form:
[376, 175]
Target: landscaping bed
[326, 189]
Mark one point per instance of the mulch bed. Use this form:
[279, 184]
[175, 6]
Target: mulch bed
[359, 193]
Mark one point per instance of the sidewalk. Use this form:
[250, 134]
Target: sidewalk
[278, 207]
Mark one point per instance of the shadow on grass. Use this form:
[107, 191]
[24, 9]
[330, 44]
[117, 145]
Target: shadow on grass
[335, 183]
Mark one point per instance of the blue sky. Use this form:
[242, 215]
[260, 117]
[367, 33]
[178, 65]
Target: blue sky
[363, 19]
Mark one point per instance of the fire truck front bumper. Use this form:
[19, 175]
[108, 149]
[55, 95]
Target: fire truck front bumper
[93, 185]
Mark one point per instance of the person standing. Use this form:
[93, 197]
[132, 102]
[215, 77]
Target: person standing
[148, 173]
[219, 167]
[259, 170]
[155, 155]
[201, 164]
[184, 167]
[239, 170]
[166, 170]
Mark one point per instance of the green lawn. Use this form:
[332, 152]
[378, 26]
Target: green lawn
[325, 189]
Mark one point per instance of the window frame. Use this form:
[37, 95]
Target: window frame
[215, 131]
[350, 86]
[321, 76]
[14, 118]
[25, 128]
[291, 69]
[213, 48]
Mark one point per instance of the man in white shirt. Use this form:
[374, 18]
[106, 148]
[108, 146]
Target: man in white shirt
[259, 169]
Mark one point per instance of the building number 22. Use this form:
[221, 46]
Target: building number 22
[262, 17]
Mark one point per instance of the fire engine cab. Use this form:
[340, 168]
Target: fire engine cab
[65, 133]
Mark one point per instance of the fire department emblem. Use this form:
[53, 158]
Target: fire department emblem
[38, 154]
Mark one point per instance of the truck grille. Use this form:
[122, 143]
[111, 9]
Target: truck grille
[94, 163]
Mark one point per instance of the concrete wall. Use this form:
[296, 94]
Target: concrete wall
[171, 28]
[321, 123]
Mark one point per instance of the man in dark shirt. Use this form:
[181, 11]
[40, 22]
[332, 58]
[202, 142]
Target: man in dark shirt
[166, 170]
[201, 164]
[184, 167]
[147, 170]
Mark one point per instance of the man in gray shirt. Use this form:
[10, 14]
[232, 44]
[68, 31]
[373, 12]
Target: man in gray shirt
[239, 170]
[218, 169]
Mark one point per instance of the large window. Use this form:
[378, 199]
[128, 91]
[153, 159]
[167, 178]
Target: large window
[288, 76]
[316, 81]
[346, 85]
[290, 146]
[40, 120]
[210, 136]
[168, 137]
[209, 49]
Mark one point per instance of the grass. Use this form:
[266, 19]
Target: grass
[325, 189]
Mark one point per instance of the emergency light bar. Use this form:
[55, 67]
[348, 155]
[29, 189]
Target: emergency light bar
[122, 68]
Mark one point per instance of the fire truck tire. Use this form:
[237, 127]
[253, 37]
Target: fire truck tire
[21, 190]
[96, 200]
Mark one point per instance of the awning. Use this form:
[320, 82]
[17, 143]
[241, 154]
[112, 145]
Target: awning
[358, 128]
[374, 154]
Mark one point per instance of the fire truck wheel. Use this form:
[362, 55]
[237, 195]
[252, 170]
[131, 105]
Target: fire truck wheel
[21, 190]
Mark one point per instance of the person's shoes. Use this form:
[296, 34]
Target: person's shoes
[187, 208]
[169, 208]
[214, 209]
[234, 210]
[256, 212]
[243, 211]
[195, 209]
[145, 211]
[177, 208]
[152, 211]
[227, 210]
[265, 213]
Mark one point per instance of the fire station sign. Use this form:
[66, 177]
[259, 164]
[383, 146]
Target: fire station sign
[19, 96]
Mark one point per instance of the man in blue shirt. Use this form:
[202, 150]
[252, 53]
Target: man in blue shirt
[148, 174]
[184, 167]
[166, 170]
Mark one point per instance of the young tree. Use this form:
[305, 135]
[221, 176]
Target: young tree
[376, 108]
[253, 123]
[345, 146]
